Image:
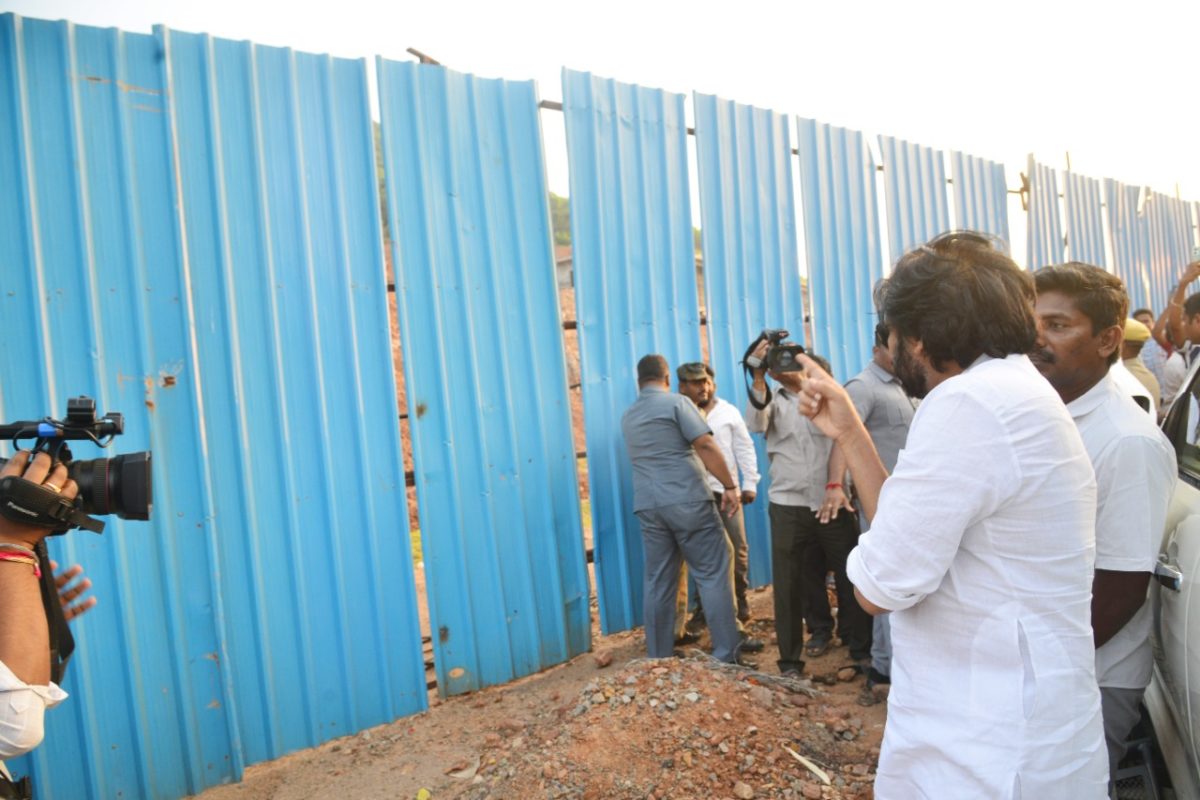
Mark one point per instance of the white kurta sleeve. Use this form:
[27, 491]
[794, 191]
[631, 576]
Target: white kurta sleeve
[22, 712]
[957, 467]
[1134, 480]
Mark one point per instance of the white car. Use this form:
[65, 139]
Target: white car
[1173, 697]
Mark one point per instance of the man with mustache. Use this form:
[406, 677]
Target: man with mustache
[1081, 313]
[981, 541]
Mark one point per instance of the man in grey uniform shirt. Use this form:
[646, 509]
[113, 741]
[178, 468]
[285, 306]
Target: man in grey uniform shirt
[670, 446]
[887, 411]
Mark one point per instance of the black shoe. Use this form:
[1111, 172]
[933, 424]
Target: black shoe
[687, 638]
[817, 646]
[876, 678]
[751, 645]
[742, 661]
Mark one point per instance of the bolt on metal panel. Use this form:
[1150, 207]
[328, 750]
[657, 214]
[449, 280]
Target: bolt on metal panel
[751, 266]
[841, 230]
[914, 180]
[1044, 241]
[485, 373]
[635, 293]
[980, 194]
[1085, 228]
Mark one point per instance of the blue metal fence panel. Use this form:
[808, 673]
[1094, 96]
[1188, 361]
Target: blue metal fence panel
[914, 181]
[635, 292]
[841, 231]
[751, 268]
[1166, 242]
[1085, 226]
[980, 194]
[276, 177]
[1125, 231]
[1044, 238]
[485, 374]
[90, 241]
[128, 277]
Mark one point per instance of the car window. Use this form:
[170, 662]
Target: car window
[1182, 427]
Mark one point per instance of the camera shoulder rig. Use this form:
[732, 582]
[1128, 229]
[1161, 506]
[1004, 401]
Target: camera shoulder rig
[25, 502]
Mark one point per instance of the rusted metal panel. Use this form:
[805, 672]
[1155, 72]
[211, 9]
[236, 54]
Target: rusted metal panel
[485, 374]
[751, 266]
[841, 232]
[914, 180]
[635, 292]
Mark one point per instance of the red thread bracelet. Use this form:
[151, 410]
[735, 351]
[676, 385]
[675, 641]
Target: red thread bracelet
[832, 486]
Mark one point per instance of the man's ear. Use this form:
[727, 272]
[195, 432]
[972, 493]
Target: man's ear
[1110, 340]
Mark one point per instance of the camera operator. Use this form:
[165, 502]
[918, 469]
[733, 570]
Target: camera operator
[25, 687]
[805, 523]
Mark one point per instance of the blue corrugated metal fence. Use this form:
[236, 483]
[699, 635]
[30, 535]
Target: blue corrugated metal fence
[841, 233]
[190, 232]
[485, 374]
[751, 267]
[635, 292]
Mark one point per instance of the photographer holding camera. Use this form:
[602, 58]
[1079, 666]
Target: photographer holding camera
[26, 690]
[806, 519]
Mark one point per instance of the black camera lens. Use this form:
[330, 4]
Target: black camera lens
[120, 485]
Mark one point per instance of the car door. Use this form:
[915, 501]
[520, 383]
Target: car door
[1175, 595]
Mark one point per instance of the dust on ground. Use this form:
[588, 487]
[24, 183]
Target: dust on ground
[610, 724]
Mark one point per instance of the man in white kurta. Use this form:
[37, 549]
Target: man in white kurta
[981, 542]
[986, 562]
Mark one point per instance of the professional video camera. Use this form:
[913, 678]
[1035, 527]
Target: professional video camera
[780, 357]
[120, 485]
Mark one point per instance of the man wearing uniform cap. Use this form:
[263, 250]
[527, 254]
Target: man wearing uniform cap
[696, 382]
[1136, 336]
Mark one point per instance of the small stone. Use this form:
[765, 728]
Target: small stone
[578, 710]
[692, 697]
[598, 697]
[653, 702]
[727, 716]
[724, 748]
[671, 704]
[603, 658]
[491, 739]
[811, 791]
[753, 729]
[846, 674]
[860, 769]
[762, 696]
[742, 790]
[848, 735]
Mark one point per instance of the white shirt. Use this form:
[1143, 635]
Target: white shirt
[1174, 371]
[22, 710]
[983, 544]
[729, 431]
[1135, 476]
[1134, 388]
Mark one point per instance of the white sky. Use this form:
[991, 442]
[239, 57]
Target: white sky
[1116, 88]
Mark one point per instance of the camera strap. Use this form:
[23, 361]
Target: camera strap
[747, 371]
[30, 504]
[14, 790]
[62, 643]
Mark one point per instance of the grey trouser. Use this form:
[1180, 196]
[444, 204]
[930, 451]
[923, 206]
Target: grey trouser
[881, 644]
[689, 532]
[1120, 710]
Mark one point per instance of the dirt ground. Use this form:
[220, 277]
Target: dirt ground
[610, 724]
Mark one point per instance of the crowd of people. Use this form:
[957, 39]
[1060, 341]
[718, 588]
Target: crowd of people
[989, 495]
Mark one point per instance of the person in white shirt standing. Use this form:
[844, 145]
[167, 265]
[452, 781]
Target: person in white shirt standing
[982, 541]
[1081, 313]
[697, 381]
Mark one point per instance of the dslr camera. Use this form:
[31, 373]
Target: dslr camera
[780, 357]
[120, 485]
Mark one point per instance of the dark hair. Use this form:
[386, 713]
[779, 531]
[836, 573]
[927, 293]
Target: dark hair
[652, 368]
[961, 297]
[1137, 311]
[821, 362]
[1191, 306]
[881, 334]
[1098, 294]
